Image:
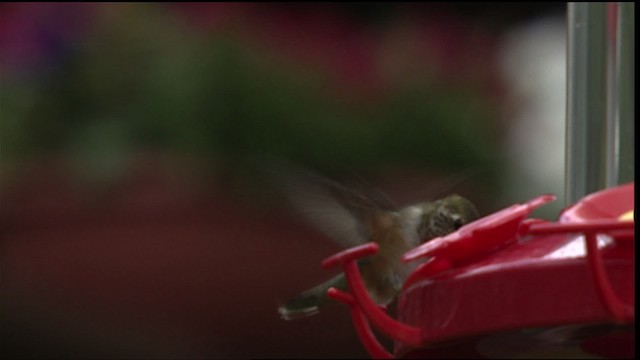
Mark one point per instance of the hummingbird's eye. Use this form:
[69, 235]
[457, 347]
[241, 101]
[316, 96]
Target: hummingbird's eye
[457, 222]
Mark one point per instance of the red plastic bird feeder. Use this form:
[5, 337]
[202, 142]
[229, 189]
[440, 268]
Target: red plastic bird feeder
[506, 285]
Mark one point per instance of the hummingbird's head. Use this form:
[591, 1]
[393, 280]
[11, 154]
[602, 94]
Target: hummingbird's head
[446, 216]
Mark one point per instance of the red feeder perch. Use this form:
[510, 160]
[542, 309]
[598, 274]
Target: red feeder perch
[506, 286]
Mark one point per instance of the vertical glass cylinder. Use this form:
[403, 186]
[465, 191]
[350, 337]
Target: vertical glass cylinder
[586, 100]
[625, 92]
[600, 97]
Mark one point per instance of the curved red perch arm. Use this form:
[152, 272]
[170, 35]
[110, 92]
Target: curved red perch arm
[394, 329]
[368, 339]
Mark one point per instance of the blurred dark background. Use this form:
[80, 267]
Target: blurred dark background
[135, 217]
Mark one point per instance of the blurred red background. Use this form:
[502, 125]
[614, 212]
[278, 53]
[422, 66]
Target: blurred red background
[132, 221]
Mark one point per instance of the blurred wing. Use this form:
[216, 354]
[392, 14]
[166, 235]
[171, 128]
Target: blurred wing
[323, 210]
[337, 211]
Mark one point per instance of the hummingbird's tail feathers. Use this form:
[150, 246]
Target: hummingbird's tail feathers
[305, 304]
[293, 309]
[309, 302]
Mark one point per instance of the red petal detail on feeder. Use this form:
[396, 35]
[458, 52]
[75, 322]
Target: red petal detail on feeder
[540, 200]
[426, 270]
[481, 236]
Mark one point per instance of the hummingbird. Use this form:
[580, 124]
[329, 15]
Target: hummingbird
[352, 218]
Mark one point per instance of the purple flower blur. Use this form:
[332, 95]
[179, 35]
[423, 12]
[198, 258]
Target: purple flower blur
[37, 37]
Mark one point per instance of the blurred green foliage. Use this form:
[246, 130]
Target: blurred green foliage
[142, 78]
